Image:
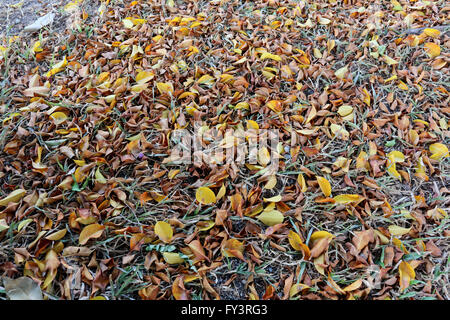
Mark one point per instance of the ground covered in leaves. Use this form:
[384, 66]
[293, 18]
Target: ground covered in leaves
[94, 205]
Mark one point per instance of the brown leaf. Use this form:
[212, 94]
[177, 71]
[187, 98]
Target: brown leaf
[362, 239]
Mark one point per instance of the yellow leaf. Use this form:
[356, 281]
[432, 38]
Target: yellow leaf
[396, 156]
[389, 60]
[58, 117]
[391, 168]
[206, 79]
[347, 198]
[205, 195]
[128, 23]
[443, 123]
[252, 125]
[354, 286]
[402, 85]
[139, 87]
[72, 5]
[80, 174]
[242, 105]
[271, 183]
[263, 156]
[137, 50]
[191, 277]
[271, 218]
[295, 240]
[164, 87]
[172, 258]
[226, 77]
[58, 235]
[3, 225]
[57, 68]
[296, 288]
[438, 151]
[432, 32]
[319, 262]
[421, 121]
[233, 248]
[172, 173]
[37, 47]
[330, 45]
[23, 224]
[158, 197]
[339, 131]
[311, 114]
[382, 237]
[14, 196]
[269, 75]
[301, 181]
[366, 97]
[334, 285]
[394, 77]
[414, 137]
[397, 230]
[432, 49]
[267, 55]
[397, 5]
[406, 274]
[345, 110]
[307, 24]
[421, 170]
[103, 77]
[340, 73]
[80, 163]
[221, 192]
[164, 231]
[99, 177]
[144, 76]
[89, 232]
[317, 235]
[273, 199]
[275, 105]
[324, 186]
[297, 243]
[324, 21]
[205, 225]
[3, 51]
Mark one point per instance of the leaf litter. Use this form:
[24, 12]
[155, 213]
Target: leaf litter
[94, 207]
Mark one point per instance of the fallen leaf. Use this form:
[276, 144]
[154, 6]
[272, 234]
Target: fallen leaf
[92, 231]
[205, 195]
[398, 231]
[325, 186]
[172, 258]
[433, 50]
[14, 196]
[271, 218]
[438, 151]
[164, 231]
[406, 274]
